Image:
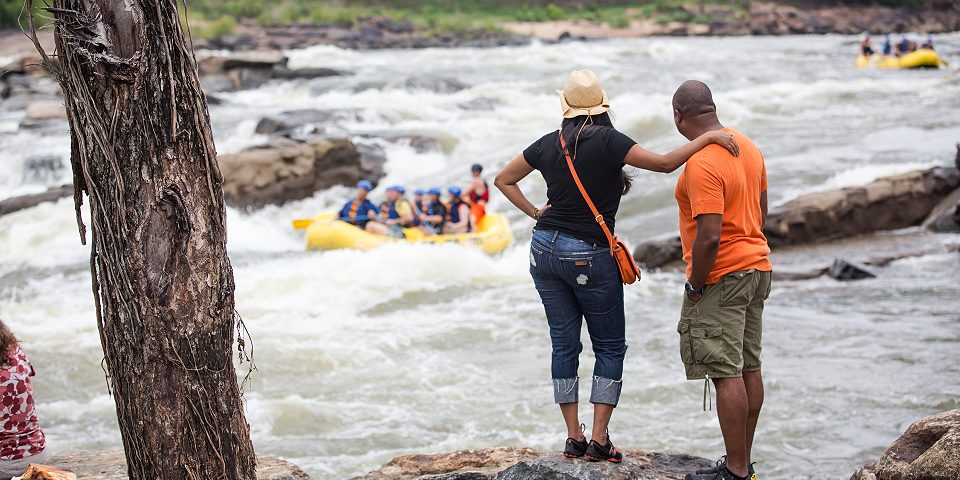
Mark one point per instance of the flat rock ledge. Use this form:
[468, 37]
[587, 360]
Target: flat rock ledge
[508, 463]
[112, 465]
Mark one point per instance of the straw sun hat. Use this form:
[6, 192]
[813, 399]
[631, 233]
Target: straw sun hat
[582, 95]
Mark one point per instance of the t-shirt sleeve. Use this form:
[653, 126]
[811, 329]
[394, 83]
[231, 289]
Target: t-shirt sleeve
[618, 145]
[346, 209]
[533, 153]
[704, 187]
[763, 176]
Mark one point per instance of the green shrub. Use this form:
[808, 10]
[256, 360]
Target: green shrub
[221, 27]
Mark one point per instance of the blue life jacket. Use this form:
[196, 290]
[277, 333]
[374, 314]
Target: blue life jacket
[436, 208]
[454, 213]
[388, 210]
[356, 208]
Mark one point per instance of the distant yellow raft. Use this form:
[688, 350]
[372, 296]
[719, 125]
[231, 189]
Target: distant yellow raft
[325, 232]
[923, 58]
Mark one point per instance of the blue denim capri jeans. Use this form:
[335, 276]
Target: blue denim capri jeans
[579, 280]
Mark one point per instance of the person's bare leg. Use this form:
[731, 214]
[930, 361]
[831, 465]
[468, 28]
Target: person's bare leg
[732, 410]
[601, 418]
[572, 419]
[753, 383]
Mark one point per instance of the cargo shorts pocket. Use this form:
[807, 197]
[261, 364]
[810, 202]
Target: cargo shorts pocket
[705, 344]
[683, 328]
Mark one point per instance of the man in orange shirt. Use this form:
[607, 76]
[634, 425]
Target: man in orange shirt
[723, 205]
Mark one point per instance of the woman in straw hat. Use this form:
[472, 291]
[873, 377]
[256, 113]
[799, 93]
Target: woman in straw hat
[570, 261]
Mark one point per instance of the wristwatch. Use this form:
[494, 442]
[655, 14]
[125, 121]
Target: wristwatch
[693, 293]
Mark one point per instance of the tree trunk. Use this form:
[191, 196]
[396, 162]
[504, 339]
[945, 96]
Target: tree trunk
[143, 152]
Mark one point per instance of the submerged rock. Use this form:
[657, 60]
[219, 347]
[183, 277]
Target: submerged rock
[305, 121]
[285, 169]
[113, 466]
[435, 83]
[844, 270]
[929, 450]
[529, 464]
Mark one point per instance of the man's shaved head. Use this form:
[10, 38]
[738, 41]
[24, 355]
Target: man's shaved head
[693, 99]
[693, 109]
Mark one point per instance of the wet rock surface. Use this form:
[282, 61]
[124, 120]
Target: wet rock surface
[929, 449]
[112, 466]
[252, 69]
[22, 202]
[529, 464]
[285, 169]
[845, 270]
[888, 203]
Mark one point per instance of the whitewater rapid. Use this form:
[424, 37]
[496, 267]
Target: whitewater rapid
[414, 349]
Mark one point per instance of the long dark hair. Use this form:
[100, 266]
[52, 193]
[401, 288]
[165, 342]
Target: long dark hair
[582, 127]
[7, 341]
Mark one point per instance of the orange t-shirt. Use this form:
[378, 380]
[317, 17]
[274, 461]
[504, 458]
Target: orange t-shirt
[714, 181]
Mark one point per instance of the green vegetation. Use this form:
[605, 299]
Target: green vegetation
[211, 18]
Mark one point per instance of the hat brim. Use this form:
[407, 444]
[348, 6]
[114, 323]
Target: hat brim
[570, 111]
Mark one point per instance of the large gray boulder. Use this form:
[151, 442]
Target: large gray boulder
[928, 450]
[888, 203]
[112, 465]
[528, 464]
[252, 69]
[284, 170]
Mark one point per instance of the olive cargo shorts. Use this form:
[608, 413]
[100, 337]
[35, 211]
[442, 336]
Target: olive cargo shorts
[720, 335]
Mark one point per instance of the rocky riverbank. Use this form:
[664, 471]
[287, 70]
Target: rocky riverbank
[111, 465]
[530, 464]
[929, 198]
[757, 18]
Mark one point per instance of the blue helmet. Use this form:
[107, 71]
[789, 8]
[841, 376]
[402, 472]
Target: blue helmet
[365, 185]
[397, 188]
[455, 191]
[418, 191]
[435, 191]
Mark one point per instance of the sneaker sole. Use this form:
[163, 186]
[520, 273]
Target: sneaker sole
[608, 459]
[570, 455]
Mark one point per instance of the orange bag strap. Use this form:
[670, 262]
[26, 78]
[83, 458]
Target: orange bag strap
[583, 191]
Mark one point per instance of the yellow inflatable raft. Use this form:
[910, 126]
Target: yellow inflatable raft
[923, 58]
[325, 232]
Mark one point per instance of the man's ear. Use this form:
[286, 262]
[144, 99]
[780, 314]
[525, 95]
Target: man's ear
[677, 117]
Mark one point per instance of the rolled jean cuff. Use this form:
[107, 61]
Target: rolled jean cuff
[605, 391]
[566, 390]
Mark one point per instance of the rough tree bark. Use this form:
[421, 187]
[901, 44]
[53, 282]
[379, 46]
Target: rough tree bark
[143, 152]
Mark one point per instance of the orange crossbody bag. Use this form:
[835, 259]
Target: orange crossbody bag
[629, 272]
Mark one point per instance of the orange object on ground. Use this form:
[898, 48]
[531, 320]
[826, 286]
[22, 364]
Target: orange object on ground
[44, 472]
[714, 181]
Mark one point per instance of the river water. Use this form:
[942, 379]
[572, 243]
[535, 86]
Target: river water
[411, 349]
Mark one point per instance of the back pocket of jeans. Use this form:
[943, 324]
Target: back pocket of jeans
[577, 269]
[706, 343]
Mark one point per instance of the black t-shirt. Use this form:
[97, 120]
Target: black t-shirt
[599, 161]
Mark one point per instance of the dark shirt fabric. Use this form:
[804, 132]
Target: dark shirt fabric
[599, 161]
[436, 208]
